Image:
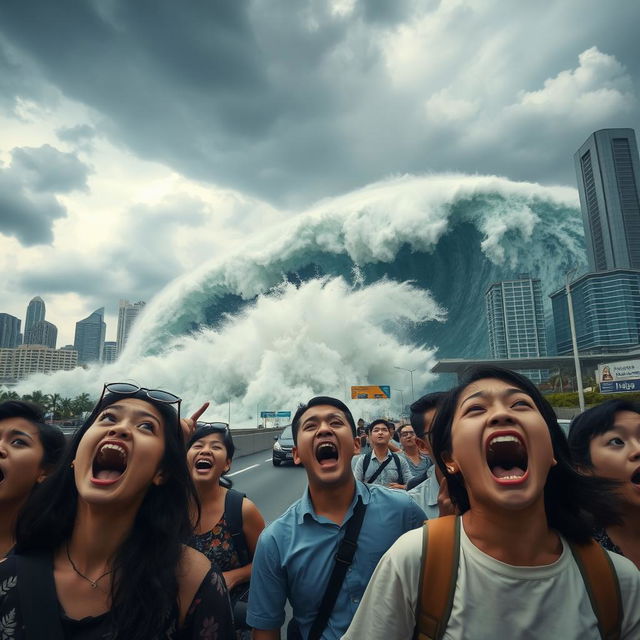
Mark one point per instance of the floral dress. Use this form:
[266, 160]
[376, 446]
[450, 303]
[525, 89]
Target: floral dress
[208, 618]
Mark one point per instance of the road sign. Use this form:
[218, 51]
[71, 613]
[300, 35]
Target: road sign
[616, 386]
[283, 414]
[371, 392]
[267, 414]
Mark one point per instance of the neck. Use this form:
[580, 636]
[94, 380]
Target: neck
[411, 449]
[97, 535]
[333, 501]
[521, 538]
[209, 491]
[8, 517]
[381, 450]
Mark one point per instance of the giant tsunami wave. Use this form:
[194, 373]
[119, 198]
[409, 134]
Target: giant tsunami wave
[388, 275]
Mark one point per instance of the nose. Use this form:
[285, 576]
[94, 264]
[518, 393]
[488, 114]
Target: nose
[500, 416]
[635, 449]
[324, 429]
[120, 430]
[3, 451]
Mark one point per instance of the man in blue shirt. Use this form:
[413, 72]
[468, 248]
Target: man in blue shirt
[295, 554]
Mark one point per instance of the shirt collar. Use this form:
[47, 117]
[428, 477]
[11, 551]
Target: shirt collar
[306, 506]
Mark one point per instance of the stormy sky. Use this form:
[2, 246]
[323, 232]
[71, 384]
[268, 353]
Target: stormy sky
[140, 138]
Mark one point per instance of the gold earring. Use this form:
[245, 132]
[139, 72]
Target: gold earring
[451, 469]
[73, 462]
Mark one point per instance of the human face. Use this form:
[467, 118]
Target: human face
[207, 459]
[380, 434]
[119, 455]
[429, 415]
[407, 436]
[21, 456]
[615, 454]
[501, 445]
[325, 445]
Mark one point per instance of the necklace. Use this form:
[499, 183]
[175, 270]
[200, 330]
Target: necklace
[93, 583]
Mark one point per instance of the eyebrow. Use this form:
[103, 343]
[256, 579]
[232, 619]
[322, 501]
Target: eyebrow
[505, 394]
[329, 416]
[138, 413]
[17, 432]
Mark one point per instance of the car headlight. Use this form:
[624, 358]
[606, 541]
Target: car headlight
[277, 447]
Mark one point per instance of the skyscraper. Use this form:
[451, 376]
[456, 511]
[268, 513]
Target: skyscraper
[9, 331]
[127, 313]
[608, 172]
[35, 313]
[89, 338]
[42, 332]
[110, 352]
[515, 318]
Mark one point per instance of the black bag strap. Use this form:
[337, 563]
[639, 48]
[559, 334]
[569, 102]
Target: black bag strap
[365, 464]
[38, 600]
[344, 558]
[378, 471]
[396, 458]
[233, 518]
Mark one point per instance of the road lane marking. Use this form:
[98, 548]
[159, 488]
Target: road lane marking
[268, 459]
[235, 473]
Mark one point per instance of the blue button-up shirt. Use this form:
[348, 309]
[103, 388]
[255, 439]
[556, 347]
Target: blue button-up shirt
[295, 557]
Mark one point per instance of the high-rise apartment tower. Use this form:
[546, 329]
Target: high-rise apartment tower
[35, 313]
[89, 338]
[127, 314]
[608, 172]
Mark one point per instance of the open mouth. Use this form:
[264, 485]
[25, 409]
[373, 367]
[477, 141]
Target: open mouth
[326, 453]
[1, 475]
[203, 464]
[110, 462]
[507, 457]
[635, 478]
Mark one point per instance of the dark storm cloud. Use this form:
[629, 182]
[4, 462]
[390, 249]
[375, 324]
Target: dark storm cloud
[78, 135]
[47, 169]
[26, 216]
[295, 100]
[28, 206]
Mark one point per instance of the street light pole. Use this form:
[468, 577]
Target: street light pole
[413, 396]
[574, 341]
[401, 391]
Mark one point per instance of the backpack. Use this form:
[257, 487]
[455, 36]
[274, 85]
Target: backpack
[396, 459]
[233, 517]
[440, 555]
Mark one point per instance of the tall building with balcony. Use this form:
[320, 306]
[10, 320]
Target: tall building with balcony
[89, 337]
[127, 314]
[9, 331]
[608, 173]
[21, 362]
[36, 311]
[42, 332]
[606, 310]
[109, 352]
[515, 318]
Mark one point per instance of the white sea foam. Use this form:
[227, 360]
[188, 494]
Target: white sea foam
[328, 334]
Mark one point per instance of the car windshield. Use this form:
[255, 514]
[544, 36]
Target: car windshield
[287, 434]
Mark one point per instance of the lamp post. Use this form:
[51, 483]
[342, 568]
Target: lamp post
[574, 340]
[413, 397]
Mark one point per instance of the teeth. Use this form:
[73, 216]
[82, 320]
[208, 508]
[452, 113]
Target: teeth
[504, 439]
[115, 447]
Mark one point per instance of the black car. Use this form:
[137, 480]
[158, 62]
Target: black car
[282, 447]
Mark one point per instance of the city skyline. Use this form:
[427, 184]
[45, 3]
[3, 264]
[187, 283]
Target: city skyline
[95, 180]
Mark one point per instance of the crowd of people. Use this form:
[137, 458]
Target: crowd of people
[477, 518]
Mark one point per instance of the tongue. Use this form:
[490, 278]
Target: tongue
[108, 474]
[501, 472]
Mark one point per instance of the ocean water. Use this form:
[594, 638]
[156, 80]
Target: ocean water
[393, 274]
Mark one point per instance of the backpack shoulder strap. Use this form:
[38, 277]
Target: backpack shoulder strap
[440, 555]
[365, 464]
[233, 517]
[603, 588]
[396, 459]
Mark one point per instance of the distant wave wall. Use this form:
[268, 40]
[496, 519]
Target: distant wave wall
[393, 274]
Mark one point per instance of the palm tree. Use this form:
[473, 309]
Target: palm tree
[82, 403]
[66, 407]
[39, 398]
[8, 395]
[53, 400]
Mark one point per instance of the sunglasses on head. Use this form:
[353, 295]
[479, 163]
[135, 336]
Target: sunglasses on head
[216, 426]
[127, 389]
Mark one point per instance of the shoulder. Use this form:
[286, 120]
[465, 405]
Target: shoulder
[249, 508]
[193, 569]
[627, 572]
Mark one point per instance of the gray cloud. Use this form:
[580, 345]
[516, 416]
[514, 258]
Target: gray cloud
[28, 206]
[47, 169]
[77, 135]
[293, 101]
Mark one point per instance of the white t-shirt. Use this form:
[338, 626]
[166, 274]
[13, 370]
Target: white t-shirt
[492, 599]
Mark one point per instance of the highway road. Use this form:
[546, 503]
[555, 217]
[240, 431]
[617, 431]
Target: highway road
[271, 488]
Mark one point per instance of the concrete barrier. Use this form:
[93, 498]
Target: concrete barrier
[248, 441]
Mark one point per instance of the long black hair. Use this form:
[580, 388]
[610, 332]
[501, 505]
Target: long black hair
[144, 590]
[573, 501]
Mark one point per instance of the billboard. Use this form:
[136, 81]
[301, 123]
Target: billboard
[371, 392]
[614, 377]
